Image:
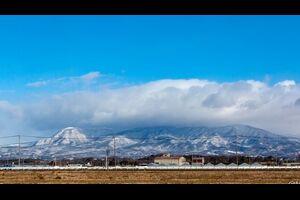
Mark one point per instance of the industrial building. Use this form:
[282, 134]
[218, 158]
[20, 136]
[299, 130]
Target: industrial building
[167, 159]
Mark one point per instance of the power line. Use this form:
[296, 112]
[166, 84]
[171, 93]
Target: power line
[147, 140]
[12, 136]
[144, 140]
[15, 145]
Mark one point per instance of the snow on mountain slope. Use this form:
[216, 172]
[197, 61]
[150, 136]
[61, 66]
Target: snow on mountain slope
[122, 141]
[71, 142]
[218, 141]
[68, 135]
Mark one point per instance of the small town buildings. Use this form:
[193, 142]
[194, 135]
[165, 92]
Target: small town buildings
[143, 164]
[232, 165]
[75, 165]
[255, 165]
[221, 165]
[291, 164]
[197, 161]
[209, 165]
[167, 159]
[244, 165]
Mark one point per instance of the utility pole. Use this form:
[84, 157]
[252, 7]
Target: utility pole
[19, 150]
[236, 151]
[106, 158]
[276, 152]
[114, 138]
[249, 160]
[106, 166]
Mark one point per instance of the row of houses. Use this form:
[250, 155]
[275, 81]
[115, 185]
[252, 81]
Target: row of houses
[233, 165]
[167, 159]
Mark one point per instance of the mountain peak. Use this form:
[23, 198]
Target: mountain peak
[69, 135]
[140, 142]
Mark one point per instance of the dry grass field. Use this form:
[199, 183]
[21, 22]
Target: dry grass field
[147, 177]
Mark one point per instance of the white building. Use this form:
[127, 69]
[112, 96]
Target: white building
[232, 165]
[256, 165]
[244, 165]
[170, 160]
[221, 165]
[209, 165]
[75, 165]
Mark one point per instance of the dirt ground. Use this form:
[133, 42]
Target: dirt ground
[148, 177]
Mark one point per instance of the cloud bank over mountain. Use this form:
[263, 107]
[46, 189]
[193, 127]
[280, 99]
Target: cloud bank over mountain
[179, 102]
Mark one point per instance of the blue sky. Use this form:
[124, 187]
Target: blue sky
[52, 55]
[143, 48]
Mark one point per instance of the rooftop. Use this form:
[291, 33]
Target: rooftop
[168, 158]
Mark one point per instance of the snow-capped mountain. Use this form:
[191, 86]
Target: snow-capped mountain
[244, 140]
[68, 135]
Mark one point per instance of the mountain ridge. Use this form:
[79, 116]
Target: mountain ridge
[72, 142]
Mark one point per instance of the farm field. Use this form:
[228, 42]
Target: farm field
[149, 177]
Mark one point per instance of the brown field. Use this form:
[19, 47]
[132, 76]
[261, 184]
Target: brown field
[148, 177]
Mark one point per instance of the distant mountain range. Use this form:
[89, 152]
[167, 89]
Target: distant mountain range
[228, 140]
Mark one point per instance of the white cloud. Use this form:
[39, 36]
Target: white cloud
[286, 83]
[191, 102]
[90, 76]
[37, 84]
[9, 109]
[63, 80]
[11, 118]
